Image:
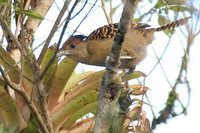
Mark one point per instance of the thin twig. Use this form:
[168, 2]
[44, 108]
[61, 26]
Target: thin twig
[38, 83]
[27, 99]
[67, 22]
[59, 41]
[42, 94]
[53, 30]
[27, 4]
[159, 58]
[55, 2]
[104, 11]
[5, 27]
[111, 20]
[55, 27]
[84, 17]
[13, 67]
[85, 3]
[105, 120]
[161, 66]
[181, 79]
[35, 69]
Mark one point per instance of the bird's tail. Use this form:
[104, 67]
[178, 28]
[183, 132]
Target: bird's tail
[145, 31]
[173, 25]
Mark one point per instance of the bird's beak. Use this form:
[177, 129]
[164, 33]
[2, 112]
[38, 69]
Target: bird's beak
[61, 53]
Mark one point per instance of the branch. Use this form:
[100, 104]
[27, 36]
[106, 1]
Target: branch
[59, 41]
[28, 100]
[84, 17]
[53, 30]
[41, 91]
[182, 78]
[12, 67]
[111, 82]
[30, 58]
[42, 7]
[6, 28]
[104, 11]
[111, 8]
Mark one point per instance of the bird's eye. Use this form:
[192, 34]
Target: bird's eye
[72, 45]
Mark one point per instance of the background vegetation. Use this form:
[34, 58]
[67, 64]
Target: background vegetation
[41, 93]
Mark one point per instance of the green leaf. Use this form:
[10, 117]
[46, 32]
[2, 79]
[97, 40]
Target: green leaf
[134, 75]
[182, 8]
[32, 126]
[1, 127]
[29, 78]
[175, 2]
[92, 81]
[2, 2]
[159, 4]
[9, 65]
[60, 115]
[57, 84]
[74, 80]
[162, 20]
[52, 68]
[82, 94]
[74, 116]
[9, 112]
[30, 13]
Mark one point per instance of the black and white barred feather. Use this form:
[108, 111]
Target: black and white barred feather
[109, 31]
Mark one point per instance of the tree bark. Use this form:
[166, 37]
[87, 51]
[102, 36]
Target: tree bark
[42, 7]
[109, 117]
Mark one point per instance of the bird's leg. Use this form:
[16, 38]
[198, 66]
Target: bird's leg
[110, 67]
[131, 70]
[125, 75]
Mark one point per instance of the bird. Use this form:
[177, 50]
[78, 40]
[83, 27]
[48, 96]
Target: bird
[95, 48]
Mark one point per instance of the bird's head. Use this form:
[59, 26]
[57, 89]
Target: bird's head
[73, 46]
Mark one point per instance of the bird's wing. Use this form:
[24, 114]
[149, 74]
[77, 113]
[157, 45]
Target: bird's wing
[104, 32]
[109, 31]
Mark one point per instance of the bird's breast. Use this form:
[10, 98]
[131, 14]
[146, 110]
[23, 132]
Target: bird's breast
[98, 51]
[134, 46]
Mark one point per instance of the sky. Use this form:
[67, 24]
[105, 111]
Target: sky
[156, 81]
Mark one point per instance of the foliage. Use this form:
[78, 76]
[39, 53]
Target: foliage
[78, 98]
[69, 96]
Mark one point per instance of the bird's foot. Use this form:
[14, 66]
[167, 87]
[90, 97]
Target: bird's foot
[131, 70]
[109, 65]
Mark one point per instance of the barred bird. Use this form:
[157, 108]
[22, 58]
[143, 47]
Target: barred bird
[95, 48]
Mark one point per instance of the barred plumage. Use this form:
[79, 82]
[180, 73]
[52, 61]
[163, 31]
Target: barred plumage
[171, 25]
[95, 48]
[104, 32]
[109, 31]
